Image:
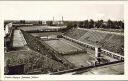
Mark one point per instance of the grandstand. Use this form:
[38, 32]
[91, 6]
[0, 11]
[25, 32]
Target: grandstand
[108, 41]
[30, 60]
[75, 33]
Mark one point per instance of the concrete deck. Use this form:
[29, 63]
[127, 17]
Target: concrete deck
[18, 39]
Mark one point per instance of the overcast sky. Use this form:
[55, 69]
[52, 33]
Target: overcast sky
[68, 11]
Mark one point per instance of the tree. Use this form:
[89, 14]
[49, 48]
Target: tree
[99, 24]
[49, 23]
[121, 24]
[80, 24]
[86, 24]
[91, 24]
[109, 24]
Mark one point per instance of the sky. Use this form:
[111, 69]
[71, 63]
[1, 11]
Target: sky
[69, 11]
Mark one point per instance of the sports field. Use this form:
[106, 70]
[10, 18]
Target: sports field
[64, 46]
[46, 34]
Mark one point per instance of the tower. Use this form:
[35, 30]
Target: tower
[62, 22]
[62, 18]
[98, 54]
[53, 19]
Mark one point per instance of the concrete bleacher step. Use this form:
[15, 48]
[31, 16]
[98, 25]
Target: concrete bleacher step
[108, 41]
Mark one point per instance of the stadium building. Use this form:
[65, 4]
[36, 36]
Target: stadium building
[48, 50]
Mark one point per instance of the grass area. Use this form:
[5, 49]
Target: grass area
[62, 46]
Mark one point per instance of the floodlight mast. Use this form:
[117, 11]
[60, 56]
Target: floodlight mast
[53, 19]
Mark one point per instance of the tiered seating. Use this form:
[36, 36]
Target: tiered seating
[75, 33]
[108, 41]
[115, 43]
[93, 37]
[32, 60]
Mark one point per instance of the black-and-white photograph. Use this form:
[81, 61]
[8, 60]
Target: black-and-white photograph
[69, 39]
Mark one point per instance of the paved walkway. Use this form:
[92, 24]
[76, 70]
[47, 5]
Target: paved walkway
[18, 39]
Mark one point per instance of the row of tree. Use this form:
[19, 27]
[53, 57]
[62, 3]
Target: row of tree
[96, 24]
[82, 24]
